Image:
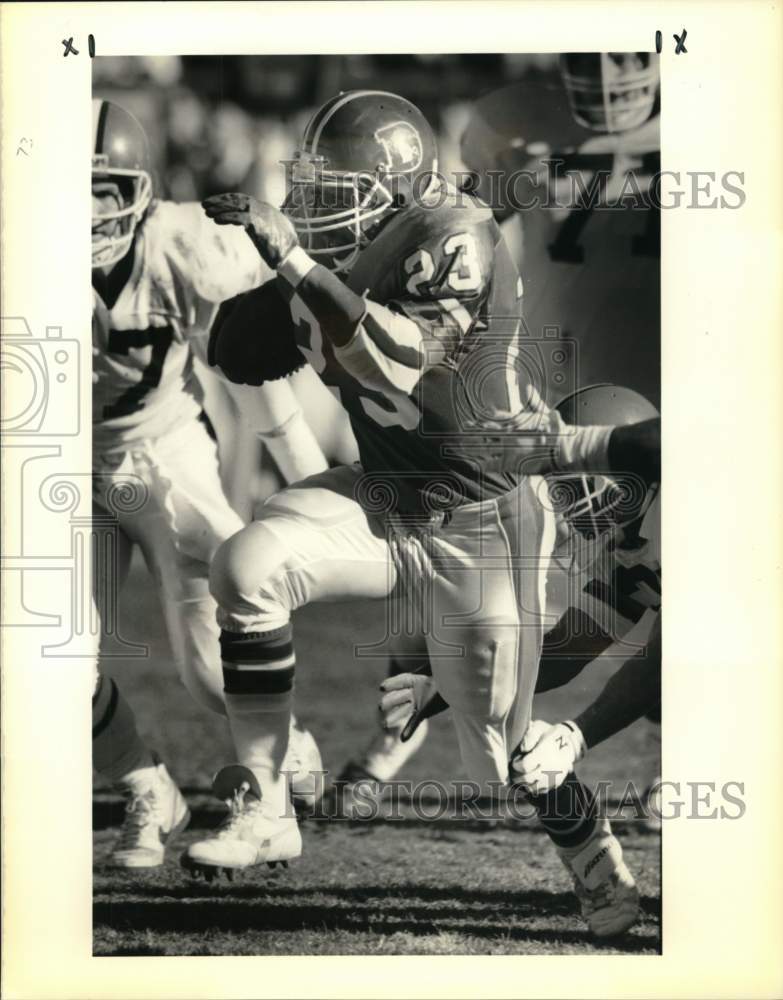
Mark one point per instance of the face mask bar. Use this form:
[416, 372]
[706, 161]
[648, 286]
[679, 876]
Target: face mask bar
[594, 504]
[615, 100]
[111, 249]
[369, 201]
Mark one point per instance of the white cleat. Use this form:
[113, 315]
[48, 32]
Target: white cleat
[248, 835]
[155, 815]
[381, 761]
[605, 888]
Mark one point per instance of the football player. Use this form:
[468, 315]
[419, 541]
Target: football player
[404, 299]
[604, 590]
[159, 270]
[568, 161]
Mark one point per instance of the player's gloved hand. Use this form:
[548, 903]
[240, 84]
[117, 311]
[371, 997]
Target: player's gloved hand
[637, 448]
[252, 337]
[545, 756]
[412, 697]
[271, 232]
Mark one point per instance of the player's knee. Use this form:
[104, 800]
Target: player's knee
[244, 564]
[483, 684]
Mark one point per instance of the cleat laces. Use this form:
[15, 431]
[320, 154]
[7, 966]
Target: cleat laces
[142, 815]
[238, 814]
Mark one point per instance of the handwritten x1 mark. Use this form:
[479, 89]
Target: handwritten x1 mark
[69, 47]
[680, 40]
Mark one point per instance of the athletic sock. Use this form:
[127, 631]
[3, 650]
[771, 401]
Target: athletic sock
[118, 753]
[258, 679]
[568, 813]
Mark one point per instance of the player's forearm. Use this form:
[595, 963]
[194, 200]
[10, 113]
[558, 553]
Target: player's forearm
[339, 311]
[636, 448]
[382, 349]
[556, 447]
[629, 694]
[273, 414]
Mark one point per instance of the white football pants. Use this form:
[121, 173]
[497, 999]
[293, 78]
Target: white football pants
[479, 578]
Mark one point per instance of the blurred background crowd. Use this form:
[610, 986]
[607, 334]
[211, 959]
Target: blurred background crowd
[220, 123]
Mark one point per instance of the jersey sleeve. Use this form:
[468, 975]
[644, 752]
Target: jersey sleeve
[440, 284]
[210, 264]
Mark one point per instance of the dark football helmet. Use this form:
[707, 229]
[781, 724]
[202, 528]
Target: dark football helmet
[120, 157]
[366, 154]
[591, 503]
[610, 91]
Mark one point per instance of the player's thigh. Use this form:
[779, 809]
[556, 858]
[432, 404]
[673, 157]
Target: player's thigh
[185, 481]
[310, 542]
[488, 600]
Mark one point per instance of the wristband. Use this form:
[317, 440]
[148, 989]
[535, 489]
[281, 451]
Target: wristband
[295, 265]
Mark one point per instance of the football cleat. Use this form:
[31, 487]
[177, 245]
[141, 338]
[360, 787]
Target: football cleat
[605, 888]
[248, 835]
[155, 815]
[363, 780]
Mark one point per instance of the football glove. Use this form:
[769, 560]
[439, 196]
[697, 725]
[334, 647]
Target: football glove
[412, 697]
[545, 756]
[252, 338]
[270, 231]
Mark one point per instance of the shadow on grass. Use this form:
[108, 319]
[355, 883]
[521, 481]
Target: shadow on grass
[380, 910]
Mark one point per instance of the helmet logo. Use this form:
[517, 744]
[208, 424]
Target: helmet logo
[402, 146]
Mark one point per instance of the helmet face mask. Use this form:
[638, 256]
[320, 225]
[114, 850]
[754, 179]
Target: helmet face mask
[610, 91]
[596, 506]
[120, 163]
[364, 157]
[335, 214]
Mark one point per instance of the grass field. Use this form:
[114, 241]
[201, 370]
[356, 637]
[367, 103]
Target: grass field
[383, 887]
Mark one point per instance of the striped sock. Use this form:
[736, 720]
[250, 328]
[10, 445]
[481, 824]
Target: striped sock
[117, 750]
[258, 679]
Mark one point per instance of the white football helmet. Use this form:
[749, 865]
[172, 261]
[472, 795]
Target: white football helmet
[610, 91]
[120, 155]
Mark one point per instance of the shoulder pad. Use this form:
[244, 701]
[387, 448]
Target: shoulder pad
[427, 227]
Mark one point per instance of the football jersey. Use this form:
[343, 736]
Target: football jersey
[180, 268]
[446, 344]
[588, 246]
[614, 581]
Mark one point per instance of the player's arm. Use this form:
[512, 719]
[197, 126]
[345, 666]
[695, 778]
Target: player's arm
[386, 347]
[537, 441]
[547, 754]
[252, 345]
[631, 692]
[221, 270]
